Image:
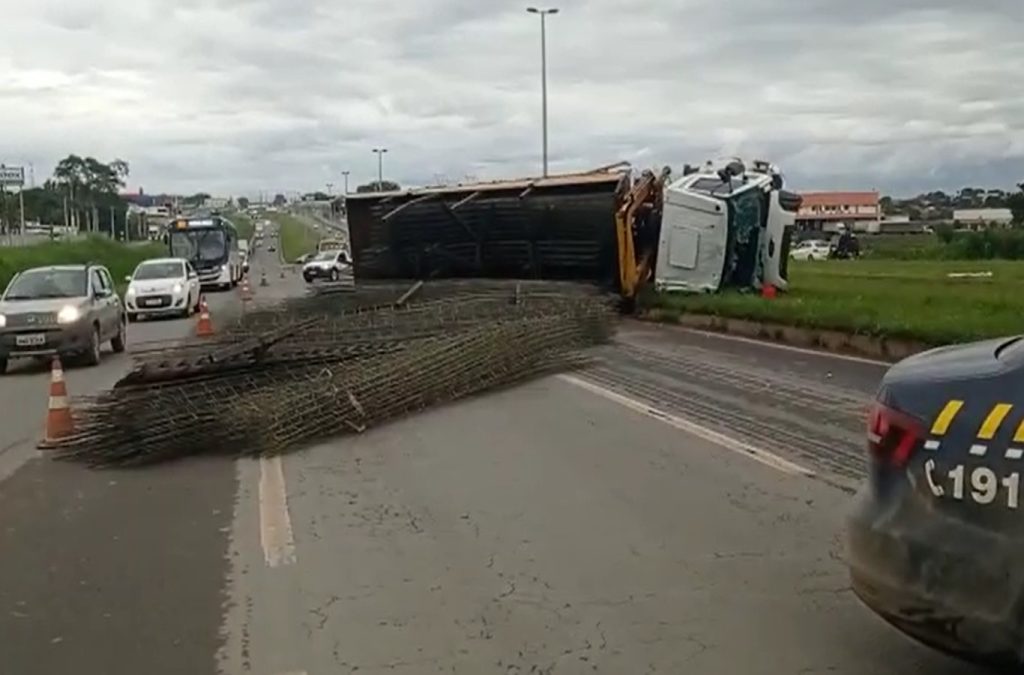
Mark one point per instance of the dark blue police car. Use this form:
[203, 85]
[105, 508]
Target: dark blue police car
[936, 538]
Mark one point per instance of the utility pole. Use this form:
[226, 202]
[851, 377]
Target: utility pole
[330, 189]
[544, 76]
[3, 214]
[21, 204]
[380, 168]
[345, 174]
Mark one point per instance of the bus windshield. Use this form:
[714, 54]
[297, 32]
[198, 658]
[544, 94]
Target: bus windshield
[207, 245]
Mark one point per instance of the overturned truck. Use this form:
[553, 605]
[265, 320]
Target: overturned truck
[722, 225]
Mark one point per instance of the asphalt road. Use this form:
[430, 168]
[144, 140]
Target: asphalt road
[676, 509]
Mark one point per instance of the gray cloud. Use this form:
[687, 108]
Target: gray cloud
[243, 95]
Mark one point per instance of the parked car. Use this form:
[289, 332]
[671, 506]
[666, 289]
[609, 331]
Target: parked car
[162, 287]
[69, 310]
[331, 264]
[812, 249]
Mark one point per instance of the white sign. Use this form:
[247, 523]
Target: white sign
[12, 175]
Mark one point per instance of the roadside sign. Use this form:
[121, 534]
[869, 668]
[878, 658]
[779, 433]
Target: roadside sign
[12, 176]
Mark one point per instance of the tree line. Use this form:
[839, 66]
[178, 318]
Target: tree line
[82, 193]
[939, 205]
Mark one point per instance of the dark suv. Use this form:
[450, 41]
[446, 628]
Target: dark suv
[68, 310]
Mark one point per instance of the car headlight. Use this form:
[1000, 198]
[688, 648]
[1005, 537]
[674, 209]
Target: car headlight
[130, 293]
[177, 288]
[224, 268]
[68, 314]
[3, 321]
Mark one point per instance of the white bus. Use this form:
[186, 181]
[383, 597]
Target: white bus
[211, 245]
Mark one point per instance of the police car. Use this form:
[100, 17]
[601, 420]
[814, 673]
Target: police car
[936, 537]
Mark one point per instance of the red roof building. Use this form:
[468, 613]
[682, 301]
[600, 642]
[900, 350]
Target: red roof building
[824, 210]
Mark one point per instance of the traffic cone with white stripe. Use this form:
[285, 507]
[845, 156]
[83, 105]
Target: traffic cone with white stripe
[246, 290]
[204, 327]
[59, 422]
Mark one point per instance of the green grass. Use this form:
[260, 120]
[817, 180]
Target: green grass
[901, 299]
[243, 223]
[120, 259]
[297, 238]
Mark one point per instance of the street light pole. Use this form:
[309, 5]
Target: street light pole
[380, 167]
[544, 75]
[345, 174]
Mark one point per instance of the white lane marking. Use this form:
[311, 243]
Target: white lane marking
[785, 347]
[979, 450]
[932, 444]
[763, 456]
[275, 524]
[1014, 453]
[294, 672]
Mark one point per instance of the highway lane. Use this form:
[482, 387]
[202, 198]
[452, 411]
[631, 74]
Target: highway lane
[108, 572]
[544, 530]
[552, 528]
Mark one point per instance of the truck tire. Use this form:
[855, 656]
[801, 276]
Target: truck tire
[3, 366]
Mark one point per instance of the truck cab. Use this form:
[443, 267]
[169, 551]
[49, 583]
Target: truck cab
[725, 225]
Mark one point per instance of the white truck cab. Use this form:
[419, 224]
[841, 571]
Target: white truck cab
[725, 225]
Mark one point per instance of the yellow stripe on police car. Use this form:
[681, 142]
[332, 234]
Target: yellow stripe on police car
[945, 418]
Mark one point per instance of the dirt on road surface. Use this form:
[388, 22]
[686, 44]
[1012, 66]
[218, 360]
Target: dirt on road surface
[677, 508]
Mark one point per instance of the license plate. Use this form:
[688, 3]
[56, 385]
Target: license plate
[154, 302]
[36, 340]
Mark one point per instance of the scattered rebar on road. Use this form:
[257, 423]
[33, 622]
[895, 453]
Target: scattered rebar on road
[335, 363]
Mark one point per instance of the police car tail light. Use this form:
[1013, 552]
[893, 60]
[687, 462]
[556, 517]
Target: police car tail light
[893, 435]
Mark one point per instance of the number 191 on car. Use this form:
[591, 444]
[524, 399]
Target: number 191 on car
[978, 484]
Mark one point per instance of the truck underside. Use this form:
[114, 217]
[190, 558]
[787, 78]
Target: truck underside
[555, 228]
[604, 227]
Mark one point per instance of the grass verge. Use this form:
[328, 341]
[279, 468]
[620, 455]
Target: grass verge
[120, 259]
[913, 300]
[297, 238]
[243, 223]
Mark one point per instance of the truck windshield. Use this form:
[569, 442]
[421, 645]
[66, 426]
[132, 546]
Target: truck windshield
[208, 245]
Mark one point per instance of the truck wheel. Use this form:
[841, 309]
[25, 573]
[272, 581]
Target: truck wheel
[3, 366]
[92, 355]
[119, 341]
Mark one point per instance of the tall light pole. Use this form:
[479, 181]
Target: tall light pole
[330, 189]
[345, 174]
[380, 167]
[544, 74]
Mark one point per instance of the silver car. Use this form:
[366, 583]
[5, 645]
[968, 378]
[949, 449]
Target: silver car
[70, 310]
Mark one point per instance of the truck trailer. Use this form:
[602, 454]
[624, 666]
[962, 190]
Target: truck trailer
[724, 224]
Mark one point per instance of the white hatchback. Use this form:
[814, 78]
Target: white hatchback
[811, 250]
[162, 287]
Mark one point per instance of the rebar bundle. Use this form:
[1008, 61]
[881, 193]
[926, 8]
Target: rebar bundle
[337, 363]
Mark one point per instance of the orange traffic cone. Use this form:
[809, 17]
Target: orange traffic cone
[59, 423]
[246, 290]
[204, 328]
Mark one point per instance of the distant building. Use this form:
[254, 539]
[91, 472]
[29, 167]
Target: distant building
[824, 211]
[983, 216]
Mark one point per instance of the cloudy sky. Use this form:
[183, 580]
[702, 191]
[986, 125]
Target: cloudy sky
[237, 96]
